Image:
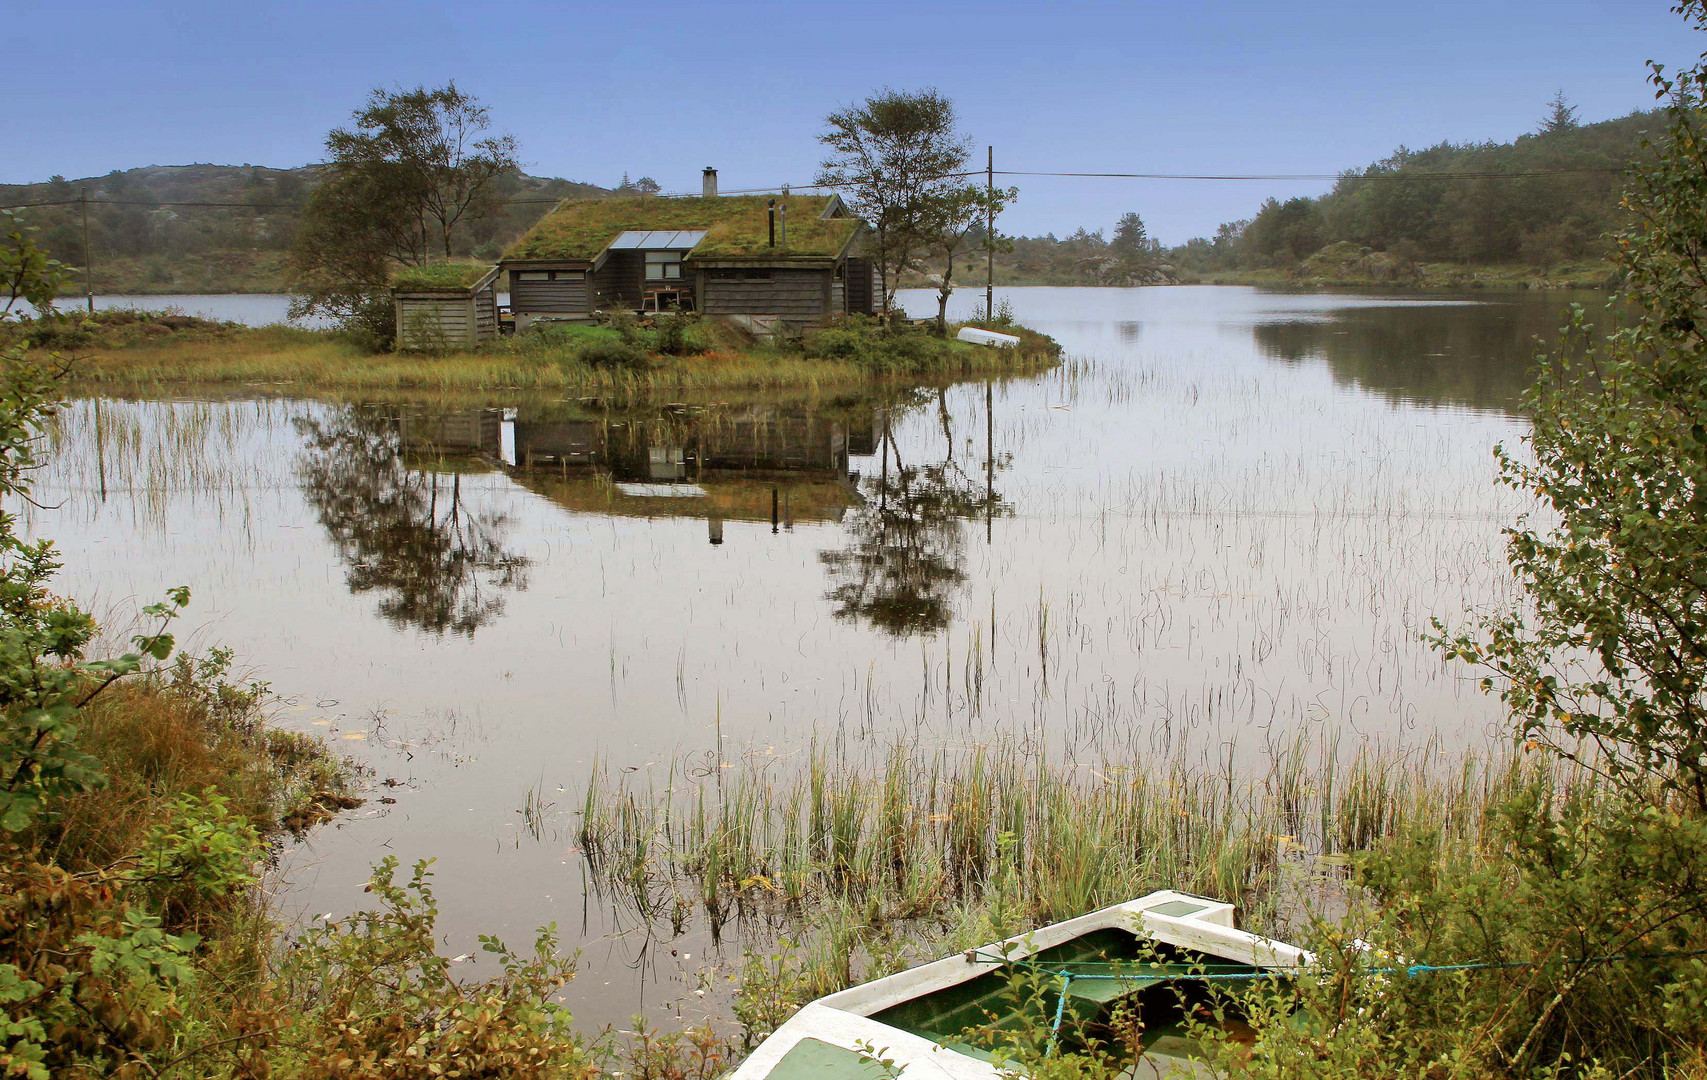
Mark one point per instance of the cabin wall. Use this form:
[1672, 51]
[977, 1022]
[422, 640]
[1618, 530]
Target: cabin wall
[861, 286]
[620, 282]
[565, 296]
[441, 321]
[797, 297]
[486, 314]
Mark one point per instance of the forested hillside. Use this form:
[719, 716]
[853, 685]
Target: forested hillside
[233, 234]
[1528, 209]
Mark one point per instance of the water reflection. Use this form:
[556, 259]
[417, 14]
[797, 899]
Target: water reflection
[905, 549]
[401, 529]
[1481, 356]
[386, 484]
[753, 462]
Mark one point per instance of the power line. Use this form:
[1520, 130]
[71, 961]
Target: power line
[1530, 174]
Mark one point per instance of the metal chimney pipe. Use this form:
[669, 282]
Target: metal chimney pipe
[773, 222]
[782, 221]
[708, 182]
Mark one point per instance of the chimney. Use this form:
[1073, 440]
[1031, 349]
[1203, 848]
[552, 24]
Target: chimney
[708, 180]
[772, 209]
[782, 218]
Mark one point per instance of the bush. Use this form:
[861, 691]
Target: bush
[610, 354]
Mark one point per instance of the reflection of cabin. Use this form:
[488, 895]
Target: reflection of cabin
[757, 465]
[758, 261]
[469, 431]
[448, 305]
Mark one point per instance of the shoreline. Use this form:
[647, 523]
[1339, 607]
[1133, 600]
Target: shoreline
[286, 359]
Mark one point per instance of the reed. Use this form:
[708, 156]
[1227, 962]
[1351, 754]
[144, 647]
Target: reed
[1001, 836]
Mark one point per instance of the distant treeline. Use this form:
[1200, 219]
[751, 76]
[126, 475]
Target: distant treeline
[1414, 207]
[1541, 202]
[139, 244]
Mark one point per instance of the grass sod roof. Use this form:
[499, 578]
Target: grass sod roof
[440, 275]
[737, 227]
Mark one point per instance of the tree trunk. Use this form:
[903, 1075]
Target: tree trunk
[942, 296]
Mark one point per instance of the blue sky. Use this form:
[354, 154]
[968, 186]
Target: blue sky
[660, 88]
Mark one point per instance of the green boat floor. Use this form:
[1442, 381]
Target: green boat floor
[988, 1013]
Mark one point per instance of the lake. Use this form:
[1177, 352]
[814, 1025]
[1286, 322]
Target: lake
[1218, 528]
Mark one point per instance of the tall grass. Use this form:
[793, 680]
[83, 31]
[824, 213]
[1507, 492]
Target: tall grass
[1002, 836]
[280, 358]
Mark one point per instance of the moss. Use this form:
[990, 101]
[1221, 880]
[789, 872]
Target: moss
[440, 275]
[738, 226]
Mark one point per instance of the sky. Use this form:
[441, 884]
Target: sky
[593, 91]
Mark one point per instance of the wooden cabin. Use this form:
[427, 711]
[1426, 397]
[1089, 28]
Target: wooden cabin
[447, 305]
[764, 262]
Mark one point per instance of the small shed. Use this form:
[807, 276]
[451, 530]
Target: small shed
[447, 305]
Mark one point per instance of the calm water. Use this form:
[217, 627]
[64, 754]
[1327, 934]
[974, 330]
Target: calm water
[1220, 526]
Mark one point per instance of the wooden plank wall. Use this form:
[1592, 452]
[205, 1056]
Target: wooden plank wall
[558, 297]
[619, 282]
[798, 296]
[485, 314]
[861, 287]
[429, 322]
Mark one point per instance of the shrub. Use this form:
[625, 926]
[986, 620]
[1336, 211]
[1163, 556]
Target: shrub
[671, 332]
[611, 354]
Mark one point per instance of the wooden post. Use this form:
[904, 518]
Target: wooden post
[88, 257]
[990, 236]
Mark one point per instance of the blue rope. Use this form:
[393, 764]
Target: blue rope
[1060, 1011]
[1197, 973]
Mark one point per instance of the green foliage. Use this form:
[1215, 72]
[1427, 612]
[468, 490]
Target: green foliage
[44, 681]
[1569, 941]
[371, 997]
[895, 156]
[1610, 663]
[611, 354]
[413, 162]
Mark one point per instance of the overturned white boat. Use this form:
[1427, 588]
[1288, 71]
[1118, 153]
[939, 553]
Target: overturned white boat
[955, 1018]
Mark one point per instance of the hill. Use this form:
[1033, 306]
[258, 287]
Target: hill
[1531, 211]
[220, 228]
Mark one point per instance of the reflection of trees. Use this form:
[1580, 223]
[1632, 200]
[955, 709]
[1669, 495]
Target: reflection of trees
[906, 547]
[405, 534]
[1479, 355]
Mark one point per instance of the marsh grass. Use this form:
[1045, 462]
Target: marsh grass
[284, 358]
[861, 868]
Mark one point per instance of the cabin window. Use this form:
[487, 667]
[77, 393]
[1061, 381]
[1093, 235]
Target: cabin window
[741, 275]
[663, 265]
[533, 275]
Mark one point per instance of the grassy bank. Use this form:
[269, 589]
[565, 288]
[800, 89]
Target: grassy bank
[123, 352]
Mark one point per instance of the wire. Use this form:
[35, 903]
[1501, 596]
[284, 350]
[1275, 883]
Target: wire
[1530, 174]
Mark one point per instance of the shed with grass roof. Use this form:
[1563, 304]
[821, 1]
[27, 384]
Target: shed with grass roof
[445, 305]
[762, 261]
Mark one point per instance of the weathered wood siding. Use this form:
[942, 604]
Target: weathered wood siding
[838, 297]
[620, 282]
[565, 296]
[796, 296]
[435, 322]
[486, 314]
[862, 287]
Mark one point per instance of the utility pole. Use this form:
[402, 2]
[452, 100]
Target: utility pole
[990, 236]
[88, 258]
